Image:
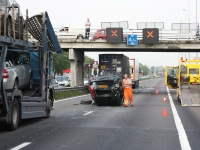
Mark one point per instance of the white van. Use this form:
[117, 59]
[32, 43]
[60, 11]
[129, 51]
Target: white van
[73, 31]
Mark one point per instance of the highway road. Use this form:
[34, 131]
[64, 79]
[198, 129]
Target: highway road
[75, 126]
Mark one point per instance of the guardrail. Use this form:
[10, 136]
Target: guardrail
[69, 89]
[74, 36]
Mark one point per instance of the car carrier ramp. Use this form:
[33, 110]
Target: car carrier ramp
[190, 94]
[35, 25]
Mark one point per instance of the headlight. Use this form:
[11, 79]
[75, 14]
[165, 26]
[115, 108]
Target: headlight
[117, 85]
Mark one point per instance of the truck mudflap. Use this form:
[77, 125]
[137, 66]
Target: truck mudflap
[189, 94]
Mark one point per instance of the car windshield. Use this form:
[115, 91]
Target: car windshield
[65, 78]
[60, 78]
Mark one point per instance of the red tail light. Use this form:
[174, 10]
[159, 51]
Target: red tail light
[5, 73]
[92, 92]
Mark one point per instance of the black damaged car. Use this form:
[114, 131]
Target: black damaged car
[106, 89]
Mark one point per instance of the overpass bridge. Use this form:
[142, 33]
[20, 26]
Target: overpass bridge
[169, 41]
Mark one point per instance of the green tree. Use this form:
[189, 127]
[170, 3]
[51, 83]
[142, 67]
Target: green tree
[88, 60]
[144, 68]
[61, 62]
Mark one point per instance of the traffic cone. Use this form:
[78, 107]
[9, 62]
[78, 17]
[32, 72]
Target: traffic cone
[164, 114]
[156, 91]
[164, 99]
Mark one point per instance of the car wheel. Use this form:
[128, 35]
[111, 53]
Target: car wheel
[9, 27]
[16, 85]
[80, 37]
[14, 115]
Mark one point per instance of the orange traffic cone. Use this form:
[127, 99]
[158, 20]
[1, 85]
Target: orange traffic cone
[156, 91]
[165, 112]
[164, 99]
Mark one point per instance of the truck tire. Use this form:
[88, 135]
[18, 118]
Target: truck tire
[49, 105]
[14, 118]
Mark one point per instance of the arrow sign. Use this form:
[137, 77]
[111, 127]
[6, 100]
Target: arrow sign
[132, 39]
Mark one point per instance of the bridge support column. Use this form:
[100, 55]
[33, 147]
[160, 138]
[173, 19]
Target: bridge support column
[76, 58]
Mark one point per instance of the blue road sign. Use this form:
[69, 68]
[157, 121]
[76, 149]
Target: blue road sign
[132, 39]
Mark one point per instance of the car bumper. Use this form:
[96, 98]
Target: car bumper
[104, 94]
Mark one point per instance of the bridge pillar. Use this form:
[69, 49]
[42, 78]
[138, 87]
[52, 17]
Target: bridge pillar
[76, 58]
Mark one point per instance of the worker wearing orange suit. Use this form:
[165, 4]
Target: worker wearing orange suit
[128, 95]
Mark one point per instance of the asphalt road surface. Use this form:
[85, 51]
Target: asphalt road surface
[74, 126]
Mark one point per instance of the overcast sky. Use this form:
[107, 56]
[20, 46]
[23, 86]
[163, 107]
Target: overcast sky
[64, 12]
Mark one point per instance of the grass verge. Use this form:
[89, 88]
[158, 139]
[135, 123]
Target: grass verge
[61, 95]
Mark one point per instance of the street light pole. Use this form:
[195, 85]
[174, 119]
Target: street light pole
[196, 13]
[196, 23]
[188, 11]
[185, 22]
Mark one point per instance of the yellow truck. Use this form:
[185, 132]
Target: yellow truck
[185, 78]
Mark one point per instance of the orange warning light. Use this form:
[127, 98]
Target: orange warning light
[114, 33]
[150, 34]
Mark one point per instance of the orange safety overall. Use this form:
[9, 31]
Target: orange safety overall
[128, 94]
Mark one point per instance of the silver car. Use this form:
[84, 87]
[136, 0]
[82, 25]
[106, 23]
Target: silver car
[63, 80]
[17, 73]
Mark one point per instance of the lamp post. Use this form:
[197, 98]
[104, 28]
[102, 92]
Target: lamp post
[185, 14]
[196, 22]
[185, 22]
[188, 11]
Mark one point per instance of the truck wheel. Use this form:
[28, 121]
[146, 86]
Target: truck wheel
[14, 115]
[49, 105]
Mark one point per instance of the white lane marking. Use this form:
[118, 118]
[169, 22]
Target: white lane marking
[185, 145]
[87, 113]
[70, 98]
[21, 146]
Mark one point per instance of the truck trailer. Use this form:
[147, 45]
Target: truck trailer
[113, 64]
[134, 72]
[21, 104]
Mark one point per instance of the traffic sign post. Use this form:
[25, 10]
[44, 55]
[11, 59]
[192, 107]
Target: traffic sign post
[150, 36]
[132, 39]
